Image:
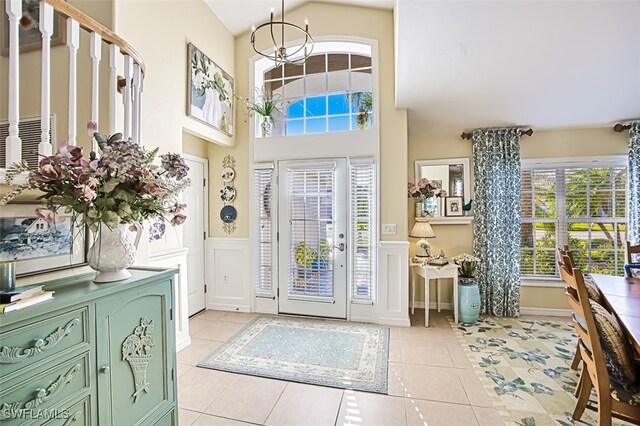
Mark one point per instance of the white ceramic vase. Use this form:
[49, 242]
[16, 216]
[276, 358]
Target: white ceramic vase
[265, 127]
[112, 252]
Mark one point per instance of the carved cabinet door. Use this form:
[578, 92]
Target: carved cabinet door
[135, 355]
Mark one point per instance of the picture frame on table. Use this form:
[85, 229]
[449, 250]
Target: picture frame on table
[453, 206]
[30, 37]
[38, 246]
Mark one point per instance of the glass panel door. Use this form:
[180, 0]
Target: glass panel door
[312, 240]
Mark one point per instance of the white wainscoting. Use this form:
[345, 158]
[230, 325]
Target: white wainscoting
[228, 271]
[177, 258]
[393, 283]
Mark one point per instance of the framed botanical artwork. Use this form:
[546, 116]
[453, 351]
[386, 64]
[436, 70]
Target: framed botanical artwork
[210, 92]
[29, 36]
[453, 206]
[38, 246]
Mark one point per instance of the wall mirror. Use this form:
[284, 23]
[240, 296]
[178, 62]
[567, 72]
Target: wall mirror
[453, 174]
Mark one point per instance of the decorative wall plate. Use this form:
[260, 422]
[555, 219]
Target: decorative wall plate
[228, 214]
[227, 174]
[228, 194]
[156, 230]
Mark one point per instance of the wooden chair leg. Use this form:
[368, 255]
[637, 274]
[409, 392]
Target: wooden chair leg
[576, 359]
[578, 390]
[604, 409]
[584, 387]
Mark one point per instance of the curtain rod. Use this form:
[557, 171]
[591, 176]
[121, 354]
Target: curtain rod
[469, 135]
[621, 127]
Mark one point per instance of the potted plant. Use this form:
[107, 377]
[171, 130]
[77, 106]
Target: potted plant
[108, 194]
[468, 291]
[425, 194]
[312, 263]
[265, 105]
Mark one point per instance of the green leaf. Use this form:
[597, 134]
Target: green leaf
[518, 381]
[114, 138]
[101, 139]
[525, 389]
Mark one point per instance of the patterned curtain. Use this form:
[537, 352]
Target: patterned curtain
[633, 232]
[496, 166]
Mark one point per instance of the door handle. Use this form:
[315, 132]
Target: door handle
[105, 369]
[340, 246]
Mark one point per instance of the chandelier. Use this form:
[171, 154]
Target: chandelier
[280, 54]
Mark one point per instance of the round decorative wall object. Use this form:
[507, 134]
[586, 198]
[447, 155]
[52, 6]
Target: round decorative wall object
[228, 214]
[156, 230]
[227, 174]
[228, 194]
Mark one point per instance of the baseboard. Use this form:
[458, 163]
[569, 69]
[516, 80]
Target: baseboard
[230, 308]
[183, 343]
[549, 312]
[445, 306]
[393, 322]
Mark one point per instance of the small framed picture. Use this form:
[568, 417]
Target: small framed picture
[453, 206]
[38, 246]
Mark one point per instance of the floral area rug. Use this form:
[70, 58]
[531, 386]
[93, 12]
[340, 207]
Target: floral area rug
[327, 353]
[525, 367]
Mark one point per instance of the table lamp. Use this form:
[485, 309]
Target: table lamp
[422, 230]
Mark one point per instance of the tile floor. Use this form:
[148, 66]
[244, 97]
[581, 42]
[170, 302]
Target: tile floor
[431, 382]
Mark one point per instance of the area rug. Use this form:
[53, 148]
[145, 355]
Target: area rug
[327, 353]
[525, 367]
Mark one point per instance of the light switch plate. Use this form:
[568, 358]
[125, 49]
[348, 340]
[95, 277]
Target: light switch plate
[389, 228]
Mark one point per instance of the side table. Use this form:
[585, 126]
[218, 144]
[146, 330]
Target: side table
[431, 272]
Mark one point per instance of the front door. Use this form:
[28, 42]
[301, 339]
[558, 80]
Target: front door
[312, 238]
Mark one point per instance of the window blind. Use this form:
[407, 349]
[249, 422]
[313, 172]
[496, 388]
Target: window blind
[581, 206]
[363, 232]
[263, 181]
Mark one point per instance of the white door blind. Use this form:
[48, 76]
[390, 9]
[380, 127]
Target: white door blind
[311, 231]
[263, 181]
[363, 232]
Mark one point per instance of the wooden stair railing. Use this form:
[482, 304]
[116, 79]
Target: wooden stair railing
[76, 20]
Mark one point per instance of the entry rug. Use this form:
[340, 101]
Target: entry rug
[318, 352]
[525, 367]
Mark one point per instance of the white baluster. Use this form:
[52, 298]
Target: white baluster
[128, 71]
[96, 55]
[114, 52]
[46, 28]
[14, 144]
[73, 43]
[137, 95]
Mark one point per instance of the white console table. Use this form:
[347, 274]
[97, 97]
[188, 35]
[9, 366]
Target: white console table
[430, 272]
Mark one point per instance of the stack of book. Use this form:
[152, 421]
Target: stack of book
[23, 297]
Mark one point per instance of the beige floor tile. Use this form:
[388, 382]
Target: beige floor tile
[306, 405]
[200, 386]
[395, 381]
[362, 408]
[187, 417]
[210, 315]
[394, 332]
[239, 317]
[488, 416]
[207, 420]
[431, 413]
[458, 355]
[196, 351]
[219, 330]
[433, 383]
[248, 398]
[183, 368]
[476, 393]
[420, 332]
[430, 352]
[196, 324]
[395, 350]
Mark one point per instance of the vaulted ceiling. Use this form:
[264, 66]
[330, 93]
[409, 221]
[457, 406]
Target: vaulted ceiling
[467, 64]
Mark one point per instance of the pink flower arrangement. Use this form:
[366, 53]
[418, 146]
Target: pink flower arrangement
[425, 189]
[122, 186]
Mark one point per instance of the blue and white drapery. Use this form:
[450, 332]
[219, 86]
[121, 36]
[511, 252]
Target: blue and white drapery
[633, 232]
[496, 166]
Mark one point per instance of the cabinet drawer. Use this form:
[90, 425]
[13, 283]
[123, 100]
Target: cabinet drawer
[32, 344]
[50, 389]
[78, 414]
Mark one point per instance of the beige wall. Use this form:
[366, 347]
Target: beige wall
[455, 239]
[332, 20]
[160, 32]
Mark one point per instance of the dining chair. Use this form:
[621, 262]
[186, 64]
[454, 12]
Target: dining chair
[632, 269]
[612, 400]
[632, 250]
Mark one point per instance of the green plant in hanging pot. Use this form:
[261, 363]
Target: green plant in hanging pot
[364, 102]
[265, 105]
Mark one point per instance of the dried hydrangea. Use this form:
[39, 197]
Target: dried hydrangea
[123, 156]
[174, 166]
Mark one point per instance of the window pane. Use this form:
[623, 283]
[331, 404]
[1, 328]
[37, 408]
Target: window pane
[316, 106]
[293, 88]
[578, 236]
[295, 127]
[359, 61]
[292, 70]
[338, 104]
[621, 204]
[338, 61]
[316, 125]
[545, 235]
[339, 124]
[620, 177]
[354, 121]
[316, 64]
[600, 178]
[338, 81]
[602, 236]
[316, 84]
[603, 262]
[545, 262]
[545, 204]
[527, 235]
[526, 262]
[600, 204]
[576, 204]
[273, 73]
[296, 109]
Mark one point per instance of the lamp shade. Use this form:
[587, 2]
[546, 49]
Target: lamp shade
[422, 230]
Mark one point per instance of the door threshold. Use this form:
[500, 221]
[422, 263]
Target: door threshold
[302, 316]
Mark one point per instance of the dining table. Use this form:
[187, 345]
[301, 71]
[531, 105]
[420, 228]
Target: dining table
[622, 297]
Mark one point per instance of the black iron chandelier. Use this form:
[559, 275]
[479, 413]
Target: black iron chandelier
[281, 55]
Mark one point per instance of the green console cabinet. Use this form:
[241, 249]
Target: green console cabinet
[97, 354]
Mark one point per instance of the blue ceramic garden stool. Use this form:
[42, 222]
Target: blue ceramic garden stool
[469, 300]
